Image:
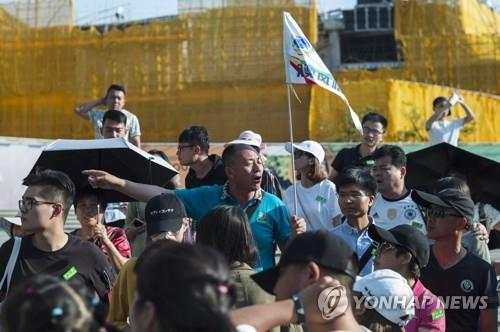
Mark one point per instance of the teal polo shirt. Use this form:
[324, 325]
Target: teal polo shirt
[269, 222]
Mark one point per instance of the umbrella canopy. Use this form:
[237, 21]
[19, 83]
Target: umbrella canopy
[425, 166]
[116, 156]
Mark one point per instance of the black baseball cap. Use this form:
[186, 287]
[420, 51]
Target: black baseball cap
[450, 198]
[405, 236]
[164, 213]
[326, 250]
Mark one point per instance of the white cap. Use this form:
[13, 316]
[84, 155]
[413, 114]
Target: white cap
[16, 220]
[248, 137]
[389, 294]
[311, 147]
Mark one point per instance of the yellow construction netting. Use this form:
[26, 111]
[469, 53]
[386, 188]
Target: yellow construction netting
[406, 106]
[218, 64]
[450, 42]
[447, 44]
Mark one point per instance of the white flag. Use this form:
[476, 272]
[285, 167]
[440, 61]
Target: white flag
[304, 66]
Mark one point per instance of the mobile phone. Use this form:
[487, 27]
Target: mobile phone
[138, 222]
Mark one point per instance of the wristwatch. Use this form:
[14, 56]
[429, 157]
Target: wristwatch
[299, 308]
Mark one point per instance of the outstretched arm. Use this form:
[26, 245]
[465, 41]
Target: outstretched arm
[263, 317]
[82, 110]
[140, 191]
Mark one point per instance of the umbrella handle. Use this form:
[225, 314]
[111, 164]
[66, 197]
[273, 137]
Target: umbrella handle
[150, 169]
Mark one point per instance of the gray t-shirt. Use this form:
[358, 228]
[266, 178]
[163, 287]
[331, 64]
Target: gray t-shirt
[132, 125]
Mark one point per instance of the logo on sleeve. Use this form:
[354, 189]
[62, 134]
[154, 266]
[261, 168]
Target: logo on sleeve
[261, 217]
[417, 225]
[70, 273]
[438, 313]
[467, 286]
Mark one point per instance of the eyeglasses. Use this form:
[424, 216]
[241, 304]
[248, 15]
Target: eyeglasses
[26, 204]
[375, 132]
[440, 212]
[181, 147]
[385, 246]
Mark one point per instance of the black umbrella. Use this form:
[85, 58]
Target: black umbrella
[425, 166]
[116, 156]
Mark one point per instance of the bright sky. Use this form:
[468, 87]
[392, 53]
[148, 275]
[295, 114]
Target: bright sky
[98, 10]
[140, 9]
[104, 11]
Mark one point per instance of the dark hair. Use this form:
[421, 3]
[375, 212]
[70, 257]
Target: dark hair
[413, 267]
[397, 155]
[357, 176]
[196, 135]
[115, 116]
[85, 192]
[57, 187]
[171, 183]
[160, 153]
[375, 117]
[46, 303]
[226, 229]
[438, 100]
[115, 87]
[194, 292]
[230, 152]
[314, 173]
[451, 182]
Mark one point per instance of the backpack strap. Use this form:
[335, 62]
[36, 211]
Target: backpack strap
[9, 269]
[366, 257]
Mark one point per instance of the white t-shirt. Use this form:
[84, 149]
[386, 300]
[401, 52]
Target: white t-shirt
[245, 328]
[132, 124]
[445, 131]
[320, 203]
[492, 216]
[388, 214]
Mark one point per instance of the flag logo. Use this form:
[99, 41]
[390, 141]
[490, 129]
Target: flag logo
[304, 66]
[301, 45]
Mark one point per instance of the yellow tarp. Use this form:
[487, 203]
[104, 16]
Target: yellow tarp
[217, 66]
[220, 64]
[406, 106]
[453, 43]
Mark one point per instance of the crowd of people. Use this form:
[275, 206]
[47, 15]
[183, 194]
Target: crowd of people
[352, 249]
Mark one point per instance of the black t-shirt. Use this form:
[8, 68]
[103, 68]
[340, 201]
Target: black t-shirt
[270, 183]
[465, 288]
[217, 175]
[77, 260]
[350, 157]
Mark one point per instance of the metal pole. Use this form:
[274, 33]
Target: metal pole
[290, 130]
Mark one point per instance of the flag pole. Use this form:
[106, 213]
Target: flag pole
[290, 130]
